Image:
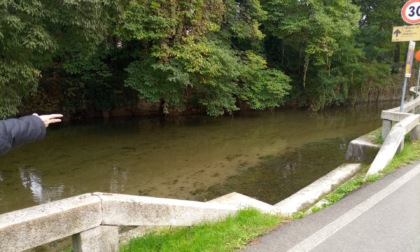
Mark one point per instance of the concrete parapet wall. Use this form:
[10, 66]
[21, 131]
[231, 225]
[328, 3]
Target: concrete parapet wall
[128, 210]
[242, 201]
[393, 142]
[28, 228]
[394, 116]
[93, 219]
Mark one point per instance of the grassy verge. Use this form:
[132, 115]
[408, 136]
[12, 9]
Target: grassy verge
[227, 235]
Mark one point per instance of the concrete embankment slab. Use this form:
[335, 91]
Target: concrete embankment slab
[362, 149]
[313, 192]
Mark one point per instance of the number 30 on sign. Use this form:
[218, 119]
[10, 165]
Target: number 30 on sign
[410, 12]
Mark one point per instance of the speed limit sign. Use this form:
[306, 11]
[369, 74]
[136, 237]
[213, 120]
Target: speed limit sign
[410, 12]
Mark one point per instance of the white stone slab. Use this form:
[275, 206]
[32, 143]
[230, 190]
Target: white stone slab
[313, 192]
[34, 226]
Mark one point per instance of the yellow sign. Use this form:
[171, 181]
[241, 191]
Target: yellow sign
[406, 33]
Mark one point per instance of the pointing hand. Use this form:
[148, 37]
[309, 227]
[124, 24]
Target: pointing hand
[47, 119]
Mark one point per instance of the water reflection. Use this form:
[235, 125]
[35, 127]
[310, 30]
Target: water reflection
[31, 180]
[266, 155]
[118, 180]
[36, 187]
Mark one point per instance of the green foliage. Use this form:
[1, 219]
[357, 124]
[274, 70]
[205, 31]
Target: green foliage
[298, 215]
[409, 154]
[377, 136]
[227, 235]
[262, 87]
[217, 55]
[318, 49]
[148, 20]
[344, 189]
[22, 35]
[34, 32]
[175, 59]
[242, 19]
[94, 86]
[190, 60]
[155, 81]
[315, 209]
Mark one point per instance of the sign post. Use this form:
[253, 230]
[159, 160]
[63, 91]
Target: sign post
[408, 66]
[410, 13]
[417, 57]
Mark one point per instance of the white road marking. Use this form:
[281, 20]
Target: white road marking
[321, 235]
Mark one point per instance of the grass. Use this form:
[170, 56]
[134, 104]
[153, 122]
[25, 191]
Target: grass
[377, 136]
[227, 235]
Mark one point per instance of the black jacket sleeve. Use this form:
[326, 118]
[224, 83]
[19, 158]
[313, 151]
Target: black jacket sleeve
[15, 132]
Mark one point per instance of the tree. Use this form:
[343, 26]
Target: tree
[184, 55]
[35, 33]
[376, 22]
[22, 37]
[312, 34]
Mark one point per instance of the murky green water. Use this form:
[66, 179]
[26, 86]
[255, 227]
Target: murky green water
[266, 155]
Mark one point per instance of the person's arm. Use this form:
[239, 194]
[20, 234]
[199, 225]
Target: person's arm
[47, 119]
[15, 132]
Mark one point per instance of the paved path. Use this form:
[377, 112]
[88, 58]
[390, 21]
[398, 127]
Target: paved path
[381, 216]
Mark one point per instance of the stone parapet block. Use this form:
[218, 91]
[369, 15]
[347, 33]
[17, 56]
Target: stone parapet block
[130, 210]
[98, 239]
[242, 201]
[34, 226]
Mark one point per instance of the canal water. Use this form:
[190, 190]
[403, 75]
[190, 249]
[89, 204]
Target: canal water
[266, 155]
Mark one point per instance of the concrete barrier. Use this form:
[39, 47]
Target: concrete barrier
[362, 149]
[128, 210]
[93, 219]
[242, 201]
[30, 227]
[394, 142]
[312, 193]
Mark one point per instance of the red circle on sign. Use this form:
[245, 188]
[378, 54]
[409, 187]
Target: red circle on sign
[417, 56]
[405, 14]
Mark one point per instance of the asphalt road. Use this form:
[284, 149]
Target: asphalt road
[381, 216]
